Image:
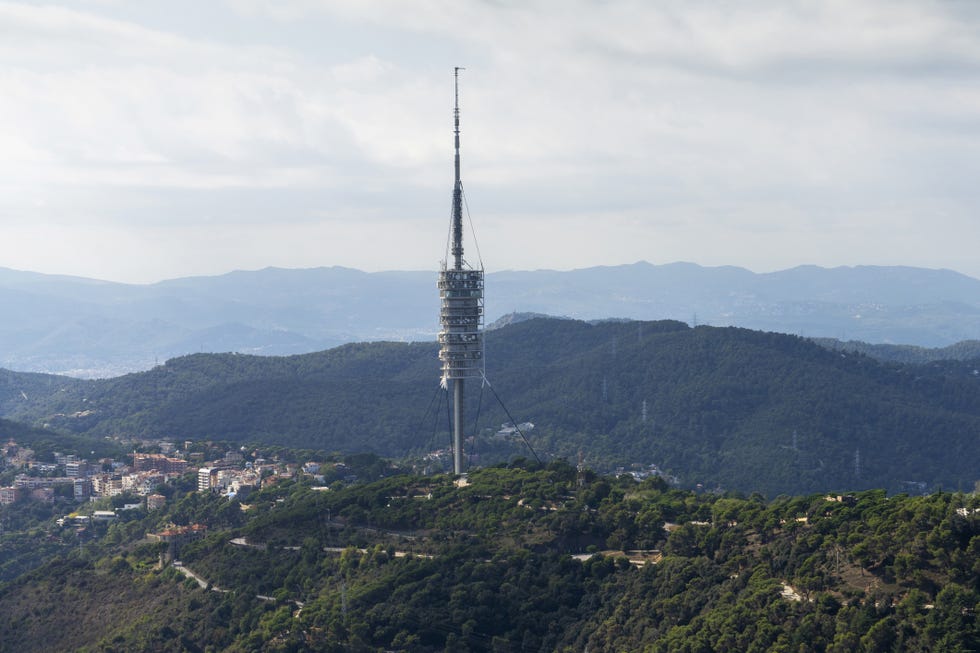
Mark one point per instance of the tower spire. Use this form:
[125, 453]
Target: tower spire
[457, 228]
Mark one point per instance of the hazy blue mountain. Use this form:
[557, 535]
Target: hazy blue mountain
[96, 328]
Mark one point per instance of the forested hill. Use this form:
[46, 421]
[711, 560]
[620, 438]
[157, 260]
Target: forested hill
[966, 350]
[723, 407]
[523, 558]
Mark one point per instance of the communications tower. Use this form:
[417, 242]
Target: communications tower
[461, 313]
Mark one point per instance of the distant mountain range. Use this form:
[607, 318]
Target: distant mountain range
[85, 327]
[724, 407]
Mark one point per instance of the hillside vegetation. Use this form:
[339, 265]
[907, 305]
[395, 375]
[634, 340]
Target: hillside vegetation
[522, 558]
[722, 407]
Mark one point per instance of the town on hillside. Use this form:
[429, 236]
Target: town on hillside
[142, 475]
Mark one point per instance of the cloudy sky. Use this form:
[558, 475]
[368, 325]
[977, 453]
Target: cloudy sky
[143, 140]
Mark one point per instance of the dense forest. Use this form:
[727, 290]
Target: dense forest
[966, 350]
[722, 408]
[523, 557]
[45, 442]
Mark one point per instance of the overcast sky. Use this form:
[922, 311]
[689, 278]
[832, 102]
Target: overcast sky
[144, 140]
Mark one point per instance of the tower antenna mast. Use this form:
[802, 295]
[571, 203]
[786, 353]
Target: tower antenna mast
[457, 228]
[461, 312]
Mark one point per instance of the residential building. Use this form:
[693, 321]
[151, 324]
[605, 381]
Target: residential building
[82, 488]
[106, 485]
[76, 469]
[159, 462]
[206, 479]
[13, 494]
[155, 501]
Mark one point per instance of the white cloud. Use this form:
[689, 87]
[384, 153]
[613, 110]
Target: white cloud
[102, 101]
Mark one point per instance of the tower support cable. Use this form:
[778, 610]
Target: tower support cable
[513, 421]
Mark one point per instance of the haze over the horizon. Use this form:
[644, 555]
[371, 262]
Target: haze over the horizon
[154, 140]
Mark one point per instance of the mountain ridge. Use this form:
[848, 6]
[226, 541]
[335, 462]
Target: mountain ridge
[64, 322]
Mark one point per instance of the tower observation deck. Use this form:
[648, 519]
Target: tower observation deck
[461, 313]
